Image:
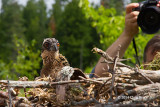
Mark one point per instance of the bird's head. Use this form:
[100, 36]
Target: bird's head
[50, 44]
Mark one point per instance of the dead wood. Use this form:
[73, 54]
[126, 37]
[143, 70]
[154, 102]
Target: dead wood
[140, 94]
[45, 84]
[132, 75]
[84, 102]
[122, 105]
[125, 86]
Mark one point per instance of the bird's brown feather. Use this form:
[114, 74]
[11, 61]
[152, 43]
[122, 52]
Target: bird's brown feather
[52, 63]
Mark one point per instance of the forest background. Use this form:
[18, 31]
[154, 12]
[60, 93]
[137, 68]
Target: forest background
[78, 25]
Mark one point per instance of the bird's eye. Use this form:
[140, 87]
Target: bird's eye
[58, 44]
[46, 45]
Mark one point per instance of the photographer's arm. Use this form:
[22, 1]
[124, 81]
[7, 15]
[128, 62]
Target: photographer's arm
[131, 29]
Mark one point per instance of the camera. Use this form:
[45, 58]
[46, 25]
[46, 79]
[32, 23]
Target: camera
[149, 16]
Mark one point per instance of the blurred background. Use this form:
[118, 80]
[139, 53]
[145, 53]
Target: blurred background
[79, 25]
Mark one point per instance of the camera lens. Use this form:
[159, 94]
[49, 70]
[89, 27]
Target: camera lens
[149, 19]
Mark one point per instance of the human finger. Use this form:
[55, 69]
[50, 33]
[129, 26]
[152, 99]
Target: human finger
[132, 14]
[158, 4]
[133, 20]
[129, 7]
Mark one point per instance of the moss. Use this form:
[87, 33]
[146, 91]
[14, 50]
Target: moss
[154, 65]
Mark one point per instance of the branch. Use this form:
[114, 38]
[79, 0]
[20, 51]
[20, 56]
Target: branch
[102, 53]
[84, 102]
[45, 84]
[9, 93]
[131, 76]
[105, 55]
[142, 93]
[121, 105]
[137, 70]
[91, 80]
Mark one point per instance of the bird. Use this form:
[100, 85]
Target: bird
[53, 61]
[56, 67]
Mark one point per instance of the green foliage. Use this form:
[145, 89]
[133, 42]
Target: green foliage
[57, 12]
[107, 24]
[27, 61]
[5, 69]
[35, 21]
[76, 36]
[116, 4]
[11, 22]
[18, 58]
[110, 26]
[89, 69]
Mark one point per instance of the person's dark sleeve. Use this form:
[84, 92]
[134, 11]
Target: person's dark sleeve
[92, 73]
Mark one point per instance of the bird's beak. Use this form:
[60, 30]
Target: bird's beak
[54, 48]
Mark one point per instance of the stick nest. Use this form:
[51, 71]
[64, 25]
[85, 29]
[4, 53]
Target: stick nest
[124, 86]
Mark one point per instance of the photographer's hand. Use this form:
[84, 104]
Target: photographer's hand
[131, 26]
[131, 29]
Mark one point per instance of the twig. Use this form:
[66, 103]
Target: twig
[122, 105]
[113, 74]
[119, 64]
[88, 94]
[127, 86]
[106, 91]
[9, 93]
[95, 75]
[84, 102]
[45, 84]
[139, 92]
[105, 55]
[91, 80]
[137, 71]
[25, 92]
[4, 94]
[104, 84]
[102, 53]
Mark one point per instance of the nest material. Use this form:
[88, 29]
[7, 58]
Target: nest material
[125, 86]
[155, 64]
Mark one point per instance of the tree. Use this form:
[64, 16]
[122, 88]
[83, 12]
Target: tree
[57, 11]
[117, 4]
[27, 61]
[36, 21]
[76, 36]
[11, 24]
[18, 57]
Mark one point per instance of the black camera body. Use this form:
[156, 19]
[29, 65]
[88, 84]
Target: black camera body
[149, 16]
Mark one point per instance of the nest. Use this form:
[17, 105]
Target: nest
[124, 86]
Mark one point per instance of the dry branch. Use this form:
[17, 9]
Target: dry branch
[84, 102]
[45, 84]
[126, 73]
[142, 93]
[126, 85]
[122, 105]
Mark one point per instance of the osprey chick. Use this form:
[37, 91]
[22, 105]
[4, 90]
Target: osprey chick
[53, 61]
